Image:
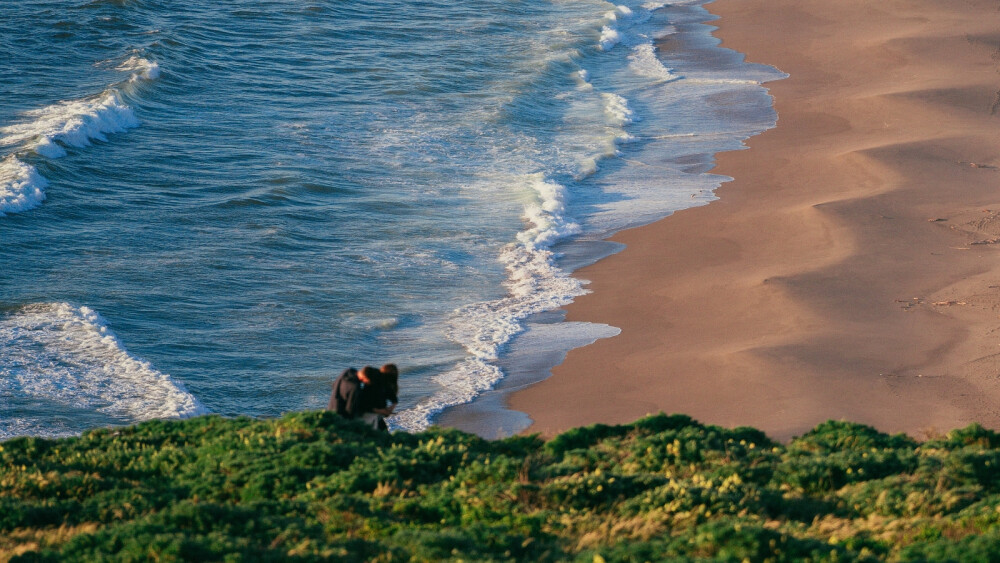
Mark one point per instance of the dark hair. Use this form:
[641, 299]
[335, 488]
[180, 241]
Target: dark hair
[371, 373]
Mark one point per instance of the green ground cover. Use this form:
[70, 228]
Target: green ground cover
[311, 486]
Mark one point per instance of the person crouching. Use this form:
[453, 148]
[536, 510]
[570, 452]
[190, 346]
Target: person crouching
[374, 398]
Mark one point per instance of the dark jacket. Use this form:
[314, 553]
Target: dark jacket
[373, 396]
[346, 396]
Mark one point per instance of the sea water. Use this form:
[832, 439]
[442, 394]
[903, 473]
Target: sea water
[216, 208]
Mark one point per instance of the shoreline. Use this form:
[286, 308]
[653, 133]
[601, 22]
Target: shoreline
[713, 102]
[848, 272]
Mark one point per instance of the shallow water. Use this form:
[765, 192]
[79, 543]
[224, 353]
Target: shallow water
[217, 209]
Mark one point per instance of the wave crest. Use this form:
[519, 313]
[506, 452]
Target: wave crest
[21, 186]
[74, 123]
[69, 355]
[534, 284]
[47, 132]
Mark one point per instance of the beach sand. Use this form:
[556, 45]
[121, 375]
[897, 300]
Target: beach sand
[851, 269]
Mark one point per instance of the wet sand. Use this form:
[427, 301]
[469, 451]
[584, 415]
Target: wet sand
[851, 269]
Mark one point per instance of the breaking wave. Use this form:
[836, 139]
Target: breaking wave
[68, 355]
[47, 132]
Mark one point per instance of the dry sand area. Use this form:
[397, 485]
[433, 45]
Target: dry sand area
[852, 269]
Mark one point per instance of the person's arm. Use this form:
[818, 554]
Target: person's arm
[384, 408]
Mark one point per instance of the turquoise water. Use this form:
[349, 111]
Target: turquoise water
[217, 209]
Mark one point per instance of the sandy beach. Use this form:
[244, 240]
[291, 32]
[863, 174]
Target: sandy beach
[850, 271]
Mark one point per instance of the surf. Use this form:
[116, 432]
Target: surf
[46, 133]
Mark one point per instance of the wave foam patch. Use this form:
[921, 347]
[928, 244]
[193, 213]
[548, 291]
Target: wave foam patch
[644, 62]
[610, 35]
[619, 21]
[461, 385]
[595, 139]
[140, 67]
[75, 123]
[617, 110]
[617, 116]
[738, 81]
[609, 38]
[534, 284]
[547, 215]
[21, 186]
[68, 355]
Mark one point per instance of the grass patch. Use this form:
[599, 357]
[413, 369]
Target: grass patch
[311, 486]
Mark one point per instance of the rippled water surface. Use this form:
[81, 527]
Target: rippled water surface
[218, 208]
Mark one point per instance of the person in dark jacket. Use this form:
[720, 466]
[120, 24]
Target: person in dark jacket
[346, 396]
[374, 406]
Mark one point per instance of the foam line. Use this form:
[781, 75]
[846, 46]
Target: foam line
[47, 131]
[74, 123]
[66, 354]
[534, 284]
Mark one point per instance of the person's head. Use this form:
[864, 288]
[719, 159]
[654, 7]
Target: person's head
[391, 375]
[368, 375]
[348, 373]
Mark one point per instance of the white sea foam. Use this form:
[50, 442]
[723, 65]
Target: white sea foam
[534, 284]
[596, 121]
[47, 132]
[21, 186]
[609, 37]
[142, 68]
[64, 354]
[696, 80]
[596, 124]
[605, 134]
[74, 123]
[610, 33]
[621, 20]
[547, 215]
[617, 110]
[643, 61]
[13, 428]
[617, 116]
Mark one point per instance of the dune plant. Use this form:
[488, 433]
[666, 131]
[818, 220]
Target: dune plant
[311, 486]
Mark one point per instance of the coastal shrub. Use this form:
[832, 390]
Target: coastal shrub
[703, 447]
[723, 540]
[590, 490]
[984, 547]
[972, 436]
[518, 446]
[843, 436]
[313, 486]
[584, 437]
[831, 471]
[835, 454]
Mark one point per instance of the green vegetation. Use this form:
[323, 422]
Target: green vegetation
[311, 486]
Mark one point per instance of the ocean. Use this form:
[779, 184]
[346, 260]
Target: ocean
[217, 207]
